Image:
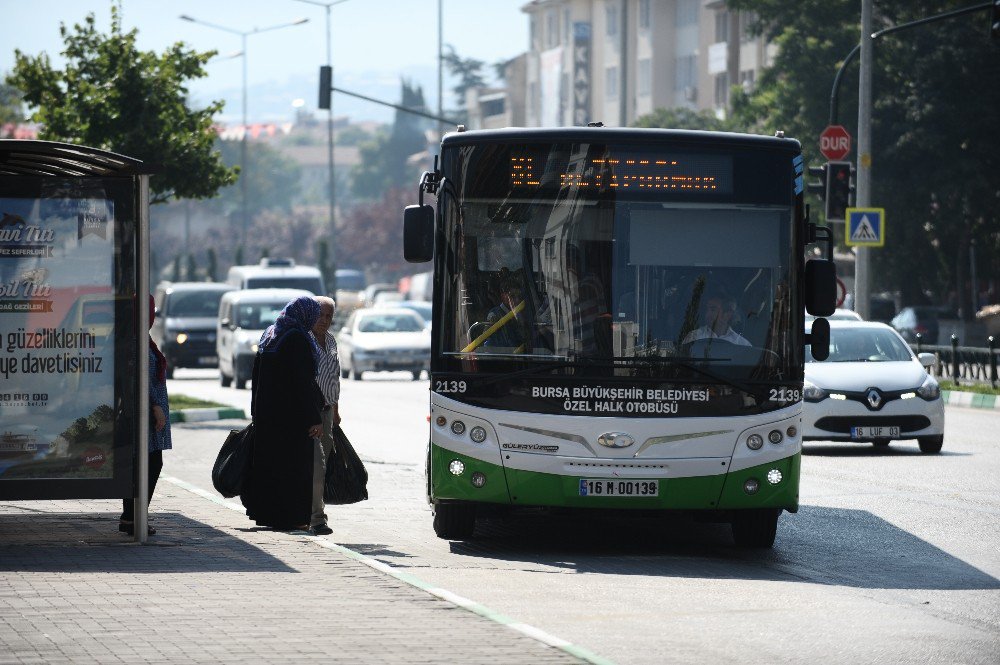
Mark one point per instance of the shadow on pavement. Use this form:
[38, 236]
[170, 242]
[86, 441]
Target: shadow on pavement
[818, 545]
[895, 449]
[91, 542]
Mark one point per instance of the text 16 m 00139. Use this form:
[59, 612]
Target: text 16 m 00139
[618, 323]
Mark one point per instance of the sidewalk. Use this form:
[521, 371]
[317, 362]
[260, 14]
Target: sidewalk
[211, 587]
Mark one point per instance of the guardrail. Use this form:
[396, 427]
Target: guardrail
[964, 364]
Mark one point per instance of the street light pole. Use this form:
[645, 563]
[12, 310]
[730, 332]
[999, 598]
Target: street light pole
[243, 143]
[332, 231]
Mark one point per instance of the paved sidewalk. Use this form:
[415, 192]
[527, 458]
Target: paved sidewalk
[212, 587]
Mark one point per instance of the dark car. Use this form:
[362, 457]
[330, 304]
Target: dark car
[186, 317]
[921, 319]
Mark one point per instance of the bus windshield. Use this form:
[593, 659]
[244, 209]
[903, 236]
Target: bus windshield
[613, 284]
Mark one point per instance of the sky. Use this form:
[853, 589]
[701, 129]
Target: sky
[375, 44]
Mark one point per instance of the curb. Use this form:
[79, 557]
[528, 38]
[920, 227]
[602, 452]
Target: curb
[201, 415]
[971, 400]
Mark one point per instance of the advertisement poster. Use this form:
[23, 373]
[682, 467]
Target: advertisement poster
[57, 322]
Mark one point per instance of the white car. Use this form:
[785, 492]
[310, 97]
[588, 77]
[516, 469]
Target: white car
[872, 388]
[383, 339]
[838, 315]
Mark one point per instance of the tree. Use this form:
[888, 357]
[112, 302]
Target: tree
[114, 96]
[468, 70]
[681, 118]
[272, 178]
[936, 151]
[213, 265]
[370, 236]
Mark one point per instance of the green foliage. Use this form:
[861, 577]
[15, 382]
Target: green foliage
[681, 118]
[935, 147]
[272, 178]
[468, 70]
[384, 160]
[112, 95]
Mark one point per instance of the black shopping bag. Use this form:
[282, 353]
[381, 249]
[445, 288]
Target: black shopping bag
[346, 477]
[233, 462]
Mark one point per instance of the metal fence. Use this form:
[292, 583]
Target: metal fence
[964, 364]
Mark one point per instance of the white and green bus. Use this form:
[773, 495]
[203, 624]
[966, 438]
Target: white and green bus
[618, 323]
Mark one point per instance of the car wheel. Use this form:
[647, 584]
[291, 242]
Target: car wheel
[454, 521]
[353, 372]
[239, 380]
[226, 381]
[755, 528]
[930, 445]
[343, 372]
[416, 374]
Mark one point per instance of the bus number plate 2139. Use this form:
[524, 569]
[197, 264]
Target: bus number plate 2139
[616, 487]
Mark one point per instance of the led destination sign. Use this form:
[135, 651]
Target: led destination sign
[677, 173]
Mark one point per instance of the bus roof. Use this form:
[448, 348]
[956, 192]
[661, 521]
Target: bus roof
[619, 134]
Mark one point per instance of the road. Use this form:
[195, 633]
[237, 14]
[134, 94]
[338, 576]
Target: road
[892, 558]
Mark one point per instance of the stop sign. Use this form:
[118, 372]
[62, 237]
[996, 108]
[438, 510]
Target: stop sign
[835, 142]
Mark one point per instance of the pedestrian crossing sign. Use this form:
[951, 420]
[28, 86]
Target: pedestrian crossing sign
[865, 227]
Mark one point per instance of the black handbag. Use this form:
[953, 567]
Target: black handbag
[233, 462]
[346, 477]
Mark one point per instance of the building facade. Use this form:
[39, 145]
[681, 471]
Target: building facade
[613, 61]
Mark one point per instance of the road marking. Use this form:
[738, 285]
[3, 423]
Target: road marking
[448, 596]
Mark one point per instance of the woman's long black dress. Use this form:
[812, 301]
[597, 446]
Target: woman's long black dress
[286, 402]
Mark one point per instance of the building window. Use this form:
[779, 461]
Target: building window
[747, 80]
[746, 18]
[533, 33]
[644, 77]
[611, 82]
[686, 74]
[567, 27]
[721, 90]
[644, 21]
[721, 26]
[611, 19]
[687, 13]
[552, 29]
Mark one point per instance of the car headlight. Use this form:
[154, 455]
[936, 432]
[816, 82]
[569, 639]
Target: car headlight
[250, 344]
[929, 389]
[813, 393]
[182, 337]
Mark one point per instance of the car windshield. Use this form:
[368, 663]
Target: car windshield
[421, 309]
[865, 345]
[194, 303]
[258, 315]
[381, 323]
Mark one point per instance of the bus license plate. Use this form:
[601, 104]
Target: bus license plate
[879, 432]
[612, 487]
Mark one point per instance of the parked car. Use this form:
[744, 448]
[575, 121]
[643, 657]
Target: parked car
[922, 320]
[872, 388]
[242, 317]
[185, 324]
[383, 339]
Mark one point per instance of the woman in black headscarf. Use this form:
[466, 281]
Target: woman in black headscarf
[286, 409]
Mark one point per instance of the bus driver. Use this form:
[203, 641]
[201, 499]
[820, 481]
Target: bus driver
[719, 310]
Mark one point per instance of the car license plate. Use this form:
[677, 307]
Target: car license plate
[878, 432]
[614, 487]
[208, 360]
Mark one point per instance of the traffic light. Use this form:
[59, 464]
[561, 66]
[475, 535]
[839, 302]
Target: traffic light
[325, 85]
[995, 20]
[818, 188]
[838, 190]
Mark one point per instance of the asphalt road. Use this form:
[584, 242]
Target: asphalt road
[892, 558]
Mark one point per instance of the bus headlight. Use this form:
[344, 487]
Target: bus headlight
[458, 427]
[755, 441]
[751, 486]
[477, 434]
[774, 476]
[478, 479]
[457, 467]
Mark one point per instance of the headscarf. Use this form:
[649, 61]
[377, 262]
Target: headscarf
[299, 314]
[161, 360]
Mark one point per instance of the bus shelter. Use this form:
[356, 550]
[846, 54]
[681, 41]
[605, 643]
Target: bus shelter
[73, 319]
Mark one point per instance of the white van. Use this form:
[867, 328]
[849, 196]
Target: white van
[243, 317]
[275, 273]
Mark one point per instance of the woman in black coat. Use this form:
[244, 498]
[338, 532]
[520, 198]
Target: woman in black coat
[286, 409]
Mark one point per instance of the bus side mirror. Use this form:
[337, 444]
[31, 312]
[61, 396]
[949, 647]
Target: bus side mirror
[821, 287]
[819, 339]
[418, 233]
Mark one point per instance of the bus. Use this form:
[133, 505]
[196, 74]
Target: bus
[618, 323]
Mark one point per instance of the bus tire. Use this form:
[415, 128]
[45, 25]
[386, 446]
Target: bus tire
[454, 521]
[755, 528]
[930, 445]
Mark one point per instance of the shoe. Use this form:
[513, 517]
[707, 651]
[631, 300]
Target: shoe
[321, 530]
[129, 528]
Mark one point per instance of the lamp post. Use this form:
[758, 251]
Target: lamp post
[243, 143]
[332, 231]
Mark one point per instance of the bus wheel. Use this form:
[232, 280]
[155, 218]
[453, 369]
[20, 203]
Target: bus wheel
[454, 521]
[755, 528]
[930, 444]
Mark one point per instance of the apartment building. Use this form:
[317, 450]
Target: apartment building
[615, 60]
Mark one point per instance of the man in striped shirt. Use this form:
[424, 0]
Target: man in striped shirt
[328, 379]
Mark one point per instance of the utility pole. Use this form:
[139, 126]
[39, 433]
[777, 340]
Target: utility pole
[862, 279]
